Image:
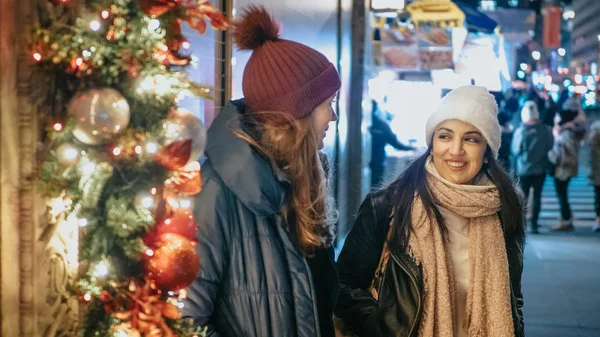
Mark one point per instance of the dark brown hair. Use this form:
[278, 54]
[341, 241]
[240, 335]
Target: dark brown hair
[413, 182]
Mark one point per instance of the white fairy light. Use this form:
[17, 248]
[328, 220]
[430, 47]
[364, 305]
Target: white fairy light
[95, 25]
[101, 269]
[153, 25]
[151, 147]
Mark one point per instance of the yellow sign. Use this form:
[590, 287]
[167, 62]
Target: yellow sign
[435, 13]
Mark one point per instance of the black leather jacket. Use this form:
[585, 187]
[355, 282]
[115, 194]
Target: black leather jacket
[401, 290]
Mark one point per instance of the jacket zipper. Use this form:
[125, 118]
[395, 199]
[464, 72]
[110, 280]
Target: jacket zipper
[313, 296]
[291, 247]
[415, 284]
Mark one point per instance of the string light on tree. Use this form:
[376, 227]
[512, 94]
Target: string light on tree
[145, 200]
[37, 56]
[151, 147]
[67, 154]
[57, 127]
[95, 26]
[101, 269]
[153, 25]
[89, 168]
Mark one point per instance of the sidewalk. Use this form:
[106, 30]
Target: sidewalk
[561, 285]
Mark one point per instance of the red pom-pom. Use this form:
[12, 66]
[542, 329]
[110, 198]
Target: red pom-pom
[255, 27]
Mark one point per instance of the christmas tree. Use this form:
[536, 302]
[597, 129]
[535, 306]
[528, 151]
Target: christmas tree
[120, 159]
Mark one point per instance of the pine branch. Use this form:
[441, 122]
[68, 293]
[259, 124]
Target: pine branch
[124, 219]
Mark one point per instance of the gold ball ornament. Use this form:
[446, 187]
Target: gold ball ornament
[100, 114]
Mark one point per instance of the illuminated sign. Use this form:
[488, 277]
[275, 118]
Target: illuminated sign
[380, 5]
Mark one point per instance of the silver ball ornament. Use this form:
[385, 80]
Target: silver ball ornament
[100, 114]
[183, 125]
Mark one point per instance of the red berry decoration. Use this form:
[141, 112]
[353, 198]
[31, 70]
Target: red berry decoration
[174, 264]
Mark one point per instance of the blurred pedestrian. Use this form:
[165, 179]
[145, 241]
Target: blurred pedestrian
[507, 131]
[594, 141]
[562, 98]
[381, 135]
[531, 143]
[551, 111]
[565, 156]
[574, 103]
[267, 226]
[438, 253]
[511, 105]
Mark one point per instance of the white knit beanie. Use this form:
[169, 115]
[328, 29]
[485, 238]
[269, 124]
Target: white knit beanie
[529, 112]
[470, 104]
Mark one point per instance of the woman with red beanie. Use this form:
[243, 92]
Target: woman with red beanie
[266, 224]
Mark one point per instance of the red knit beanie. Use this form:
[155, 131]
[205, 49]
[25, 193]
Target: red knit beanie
[281, 75]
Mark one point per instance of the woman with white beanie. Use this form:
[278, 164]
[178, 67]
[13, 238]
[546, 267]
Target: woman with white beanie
[439, 251]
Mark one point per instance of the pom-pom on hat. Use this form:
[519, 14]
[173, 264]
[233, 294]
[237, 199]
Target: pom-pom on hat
[281, 75]
[470, 104]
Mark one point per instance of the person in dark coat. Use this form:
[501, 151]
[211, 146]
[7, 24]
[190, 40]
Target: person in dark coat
[265, 223]
[507, 131]
[511, 105]
[381, 135]
[568, 135]
[531, 144]
[438, 253]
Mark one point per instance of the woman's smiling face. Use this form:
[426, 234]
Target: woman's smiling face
[458, 151]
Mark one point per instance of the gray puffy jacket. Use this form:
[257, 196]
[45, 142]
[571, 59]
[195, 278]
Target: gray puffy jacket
[252, 281]
[565, 152]
[530, 146]
[594, 141]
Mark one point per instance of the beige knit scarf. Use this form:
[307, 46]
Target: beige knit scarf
[489, 311]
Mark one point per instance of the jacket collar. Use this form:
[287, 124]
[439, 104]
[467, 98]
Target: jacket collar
[255, 180]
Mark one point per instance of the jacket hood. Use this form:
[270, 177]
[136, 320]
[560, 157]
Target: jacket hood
[255, 181]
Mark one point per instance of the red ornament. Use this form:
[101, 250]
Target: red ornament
[156, 8]
[174, 264]
[181, 222]
[150, 238]
[105, 296]
[186, 180]
[174, 155]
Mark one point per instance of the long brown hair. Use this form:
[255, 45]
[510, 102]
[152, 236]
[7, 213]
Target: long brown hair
[293, 147]
[413, 181]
